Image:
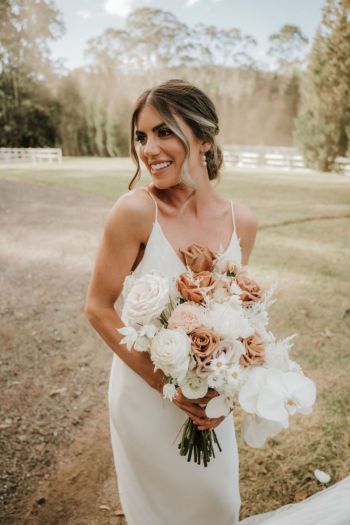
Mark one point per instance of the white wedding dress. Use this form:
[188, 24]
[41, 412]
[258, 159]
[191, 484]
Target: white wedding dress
[156, 485]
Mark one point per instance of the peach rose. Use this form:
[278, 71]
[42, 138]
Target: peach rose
[195, 287]
[187, 316]
[251, 291]
[199, 258]
[254, 353]
[203, 344]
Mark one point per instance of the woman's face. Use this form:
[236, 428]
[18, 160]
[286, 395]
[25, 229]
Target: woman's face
[161, 151]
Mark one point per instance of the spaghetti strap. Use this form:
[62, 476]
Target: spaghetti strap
[233, 219]
[155, 203]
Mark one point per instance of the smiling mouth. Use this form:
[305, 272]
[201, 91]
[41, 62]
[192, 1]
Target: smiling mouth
[155, 168]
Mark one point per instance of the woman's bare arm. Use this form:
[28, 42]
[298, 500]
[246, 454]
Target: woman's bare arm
[128, 226]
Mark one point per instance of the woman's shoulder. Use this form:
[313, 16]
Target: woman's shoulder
[135, 204]
[133, 211]
[245, 218]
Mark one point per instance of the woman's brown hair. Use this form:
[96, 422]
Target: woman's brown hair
[195, 108]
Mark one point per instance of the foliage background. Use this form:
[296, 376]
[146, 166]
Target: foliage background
[302, 98]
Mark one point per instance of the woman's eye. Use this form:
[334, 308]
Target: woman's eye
[165, 132]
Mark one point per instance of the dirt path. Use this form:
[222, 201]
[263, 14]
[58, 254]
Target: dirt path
[56, 462]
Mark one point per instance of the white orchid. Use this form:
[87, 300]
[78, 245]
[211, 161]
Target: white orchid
[274, 395]
[295, 367]
[256, 430]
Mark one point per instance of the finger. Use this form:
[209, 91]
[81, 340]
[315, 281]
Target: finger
[196, 411]
[190, 408]
[193, 407]
[210, 423]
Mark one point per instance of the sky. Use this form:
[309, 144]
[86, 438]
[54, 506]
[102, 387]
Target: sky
[86, 19]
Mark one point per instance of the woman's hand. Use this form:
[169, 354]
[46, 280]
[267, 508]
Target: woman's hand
[195, 411]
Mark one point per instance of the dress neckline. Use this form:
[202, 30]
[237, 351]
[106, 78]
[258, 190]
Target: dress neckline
[156, 223]
[221, 253]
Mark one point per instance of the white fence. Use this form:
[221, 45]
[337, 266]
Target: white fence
[270, 157]
[34, 155]
[261, 156]
[239, 156]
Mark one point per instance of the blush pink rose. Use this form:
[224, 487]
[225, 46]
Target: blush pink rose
[187, 316]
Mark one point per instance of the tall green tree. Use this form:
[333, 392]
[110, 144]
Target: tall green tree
[27, 109]
[322, 129]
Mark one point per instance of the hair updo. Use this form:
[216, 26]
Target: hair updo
[195, 108]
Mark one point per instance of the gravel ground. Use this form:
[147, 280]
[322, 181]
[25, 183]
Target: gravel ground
[56, 461]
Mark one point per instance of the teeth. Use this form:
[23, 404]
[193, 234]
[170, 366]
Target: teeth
[161, 165]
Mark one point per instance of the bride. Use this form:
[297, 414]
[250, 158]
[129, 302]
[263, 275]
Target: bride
[173, 132]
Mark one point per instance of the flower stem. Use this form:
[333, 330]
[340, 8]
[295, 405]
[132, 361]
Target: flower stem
[198, 444]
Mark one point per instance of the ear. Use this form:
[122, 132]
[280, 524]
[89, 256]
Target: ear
[206, 146]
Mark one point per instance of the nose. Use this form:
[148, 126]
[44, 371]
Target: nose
[151, 147]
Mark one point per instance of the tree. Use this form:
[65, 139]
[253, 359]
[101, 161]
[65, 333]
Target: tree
[26, 27]
[321, 129]
[168, 44]
[288, 48]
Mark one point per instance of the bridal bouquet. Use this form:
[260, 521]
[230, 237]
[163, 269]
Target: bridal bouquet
[208, 329]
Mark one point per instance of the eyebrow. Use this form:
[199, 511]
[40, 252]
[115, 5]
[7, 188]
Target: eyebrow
[153, 129]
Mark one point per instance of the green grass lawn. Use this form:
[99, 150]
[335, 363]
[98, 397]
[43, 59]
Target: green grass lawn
[311, 261]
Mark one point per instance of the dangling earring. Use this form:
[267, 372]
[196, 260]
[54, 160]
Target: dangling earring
[204, 159]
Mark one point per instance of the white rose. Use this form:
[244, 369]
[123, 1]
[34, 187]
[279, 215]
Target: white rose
[228, 322]
[170, 351]
[129, 282]
[146, 300]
